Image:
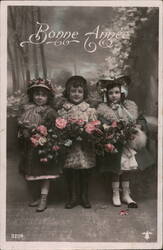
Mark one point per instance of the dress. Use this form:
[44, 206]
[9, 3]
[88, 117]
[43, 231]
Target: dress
[127, 158]
[82, 154]
[30, 166]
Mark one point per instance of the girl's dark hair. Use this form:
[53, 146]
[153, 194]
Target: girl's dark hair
[111, 85]
[31, 91]
[75, 81]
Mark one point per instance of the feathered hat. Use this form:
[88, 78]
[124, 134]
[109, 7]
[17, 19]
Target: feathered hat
[102, 86]
[40, 83]
[122, 80]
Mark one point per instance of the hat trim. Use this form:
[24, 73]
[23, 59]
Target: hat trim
[40, 86]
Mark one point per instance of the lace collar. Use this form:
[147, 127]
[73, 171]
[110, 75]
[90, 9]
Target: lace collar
[33, 106]
[83, 106]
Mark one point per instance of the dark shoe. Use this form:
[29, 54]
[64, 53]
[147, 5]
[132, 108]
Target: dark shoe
[72, 181]
[84, 181]
[43, 203]
[85, 202]
[71, 204]
[34, 203]
[132, 205]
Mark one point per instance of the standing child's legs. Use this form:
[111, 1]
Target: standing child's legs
[115, 187]
[71, 176]
[44, 194]
[34, 190]
[125, 179]
[84, 184]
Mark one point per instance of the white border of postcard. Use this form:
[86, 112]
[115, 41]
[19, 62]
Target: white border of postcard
[4, 245]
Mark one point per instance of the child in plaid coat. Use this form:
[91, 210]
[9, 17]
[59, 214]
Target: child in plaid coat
[38, 111]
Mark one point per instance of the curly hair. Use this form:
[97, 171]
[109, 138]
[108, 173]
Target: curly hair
[75, 81]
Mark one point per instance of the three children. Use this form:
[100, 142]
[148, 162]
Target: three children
[80, 159]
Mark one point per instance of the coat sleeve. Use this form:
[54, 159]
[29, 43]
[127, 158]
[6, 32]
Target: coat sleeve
[23, 128]
[50, 117]
[132, 107]
[20, 114]
[21, 118]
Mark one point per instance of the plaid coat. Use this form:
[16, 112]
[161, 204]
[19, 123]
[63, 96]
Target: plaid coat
[30, 166]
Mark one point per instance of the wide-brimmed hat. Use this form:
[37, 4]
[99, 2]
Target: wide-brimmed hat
[123, 80]
[40, 83]
[104, 83]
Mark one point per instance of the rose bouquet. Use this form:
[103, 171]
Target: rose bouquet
[70, 131]
[62, 134]
[111, 136]
[47, 145]
[51, 142]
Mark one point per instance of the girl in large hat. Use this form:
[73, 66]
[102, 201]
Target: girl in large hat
[121, 164]
[39, 114]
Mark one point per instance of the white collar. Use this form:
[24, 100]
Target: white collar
[83, 106]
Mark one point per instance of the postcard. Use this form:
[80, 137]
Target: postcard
[81, 125]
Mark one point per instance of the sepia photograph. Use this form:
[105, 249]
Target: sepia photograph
[81, 125]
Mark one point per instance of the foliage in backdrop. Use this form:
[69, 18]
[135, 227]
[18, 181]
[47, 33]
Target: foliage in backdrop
[141, 23]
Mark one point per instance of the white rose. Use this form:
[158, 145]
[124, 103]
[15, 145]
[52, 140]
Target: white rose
[42, 141]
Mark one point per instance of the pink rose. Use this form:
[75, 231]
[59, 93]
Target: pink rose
[35, 140]
[42, 129]
[55, 148]
[114, 124]
[89, 128]
[95, 123]
[60, 123]
[109, 147]
[44, 160]
[124, 212]
[42, 141]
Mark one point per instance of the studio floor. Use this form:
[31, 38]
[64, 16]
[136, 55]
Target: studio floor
[101, 223]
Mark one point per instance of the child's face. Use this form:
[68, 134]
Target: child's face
[76, 95]
[40, 97]
[114, 95]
